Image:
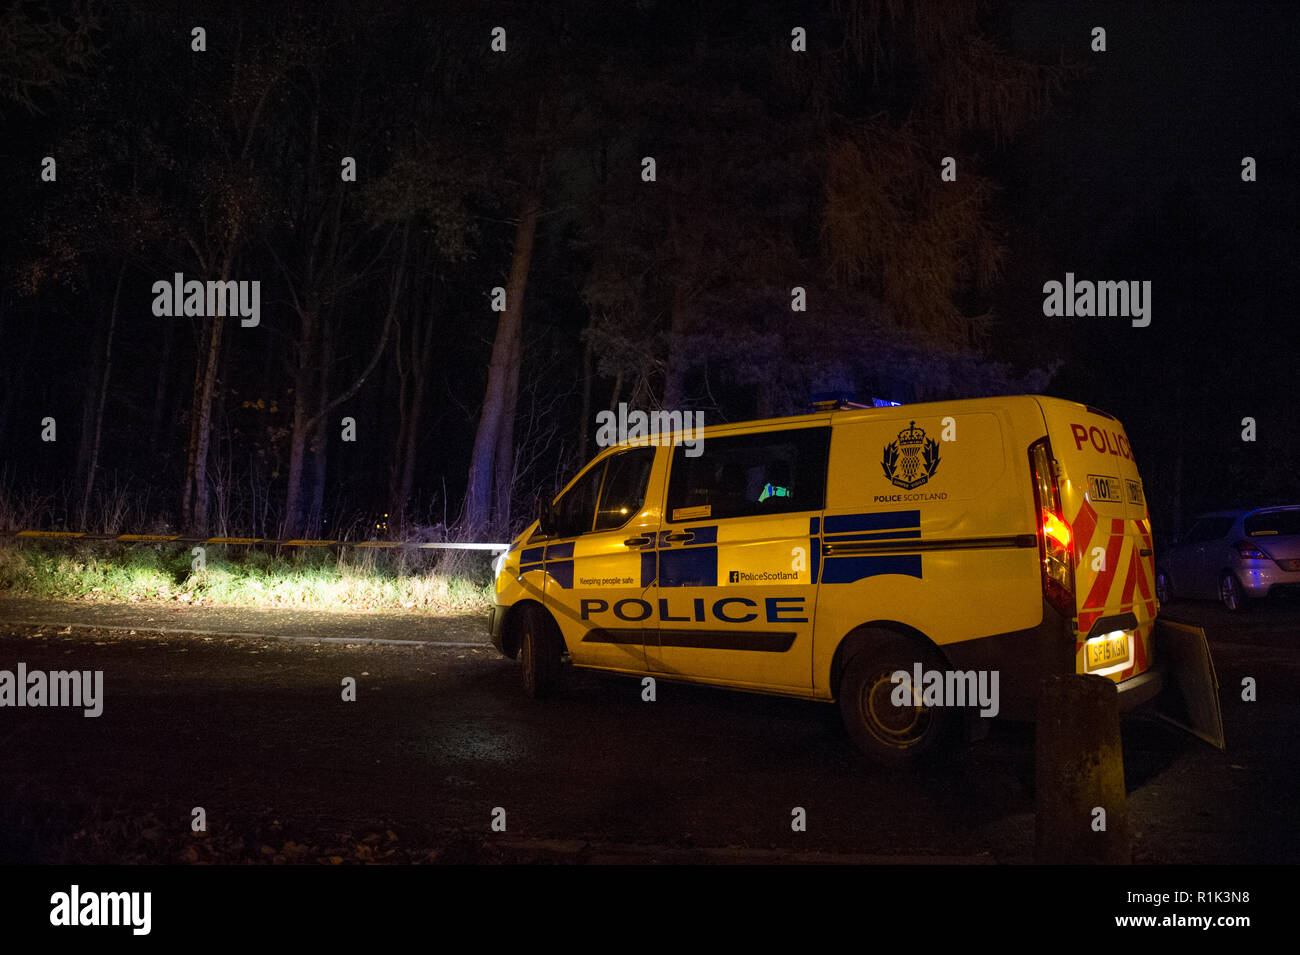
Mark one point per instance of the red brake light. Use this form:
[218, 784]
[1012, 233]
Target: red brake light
[1054, 536]
[1249, 551]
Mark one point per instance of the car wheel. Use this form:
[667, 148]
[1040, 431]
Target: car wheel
[1163, 593]
[1231, 594]
[889, 734]
[539, 652]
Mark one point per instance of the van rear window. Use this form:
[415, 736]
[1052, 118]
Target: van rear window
[775, 472]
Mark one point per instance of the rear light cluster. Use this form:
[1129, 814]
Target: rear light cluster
[1055, 539]
[1248, 551]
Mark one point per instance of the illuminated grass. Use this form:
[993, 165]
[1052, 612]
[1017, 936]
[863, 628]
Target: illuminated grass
[316, 580]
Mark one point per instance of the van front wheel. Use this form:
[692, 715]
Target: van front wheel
[886, 719]
[539, 652]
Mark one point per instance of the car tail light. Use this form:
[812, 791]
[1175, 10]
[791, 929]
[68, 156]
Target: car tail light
[1055, 538]
[1248, 551]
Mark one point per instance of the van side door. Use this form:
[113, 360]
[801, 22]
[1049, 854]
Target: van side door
[597, 572]
[737, 559]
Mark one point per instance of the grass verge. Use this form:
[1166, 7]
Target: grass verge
[247, 577]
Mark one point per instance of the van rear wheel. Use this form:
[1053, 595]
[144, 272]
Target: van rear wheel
[539, 652]
[889, 733]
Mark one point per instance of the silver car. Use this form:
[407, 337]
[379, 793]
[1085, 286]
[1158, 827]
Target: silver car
[1233, 556]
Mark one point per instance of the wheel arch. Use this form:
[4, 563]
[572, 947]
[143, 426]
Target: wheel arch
[510, 625]
[863, 635]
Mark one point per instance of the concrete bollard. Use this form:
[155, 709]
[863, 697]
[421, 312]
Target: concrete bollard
[1081, 815]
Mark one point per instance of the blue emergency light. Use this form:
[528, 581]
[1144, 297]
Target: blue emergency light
[836, 400]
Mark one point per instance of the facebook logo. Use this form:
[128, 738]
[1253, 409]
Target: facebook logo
[734, 578]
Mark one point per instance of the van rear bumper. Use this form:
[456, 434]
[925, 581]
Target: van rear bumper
[1140, 689]
[1022, 657]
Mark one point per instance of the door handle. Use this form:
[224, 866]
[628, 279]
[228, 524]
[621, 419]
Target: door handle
[685, 537]
[638, 541]
[1145, 552]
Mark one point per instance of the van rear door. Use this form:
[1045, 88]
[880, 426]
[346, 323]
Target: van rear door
[1104, 504]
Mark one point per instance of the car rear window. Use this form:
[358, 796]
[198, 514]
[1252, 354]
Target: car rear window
[1281, 523]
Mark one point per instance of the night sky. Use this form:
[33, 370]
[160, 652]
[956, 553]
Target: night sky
[1130, 170]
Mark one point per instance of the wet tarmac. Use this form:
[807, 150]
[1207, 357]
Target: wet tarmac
[242, 713]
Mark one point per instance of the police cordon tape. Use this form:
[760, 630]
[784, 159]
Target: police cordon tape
[181, 539]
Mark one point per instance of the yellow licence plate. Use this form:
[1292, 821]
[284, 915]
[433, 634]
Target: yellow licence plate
[1107, 651]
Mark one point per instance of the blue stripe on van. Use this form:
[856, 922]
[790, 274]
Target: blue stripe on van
[704, 535]
[814, 556]
[648, 572]
[848, 570]
[689, 567]
[561, 572]
[559, 551]
[531, 555]
[884, 520]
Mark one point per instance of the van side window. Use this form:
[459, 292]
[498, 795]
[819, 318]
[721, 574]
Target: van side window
[737, 476]
[607, 495]
[621, 497]
[576, 508]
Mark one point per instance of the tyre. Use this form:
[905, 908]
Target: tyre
[539, 652]
[1163, 593]
[888, 734]
[1231, 594]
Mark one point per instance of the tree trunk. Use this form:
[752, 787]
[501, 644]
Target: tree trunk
[397, 465]
[196, 478]
[160, 390]
[320, 436]
[411, 409]
[505, 457]
[305, 408]
[92, 464]
[200, 517]
[477, 516]
[94, 378]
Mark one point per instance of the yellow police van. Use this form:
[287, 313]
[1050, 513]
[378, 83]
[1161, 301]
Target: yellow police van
[867, 556]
